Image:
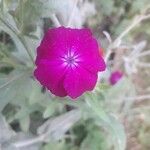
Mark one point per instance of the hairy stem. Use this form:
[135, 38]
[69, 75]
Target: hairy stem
[72, 13]
[55, 20]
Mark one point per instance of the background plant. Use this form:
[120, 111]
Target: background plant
[110, 117]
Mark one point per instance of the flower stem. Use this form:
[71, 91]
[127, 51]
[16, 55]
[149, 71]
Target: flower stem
[55, 20]
[72, 13]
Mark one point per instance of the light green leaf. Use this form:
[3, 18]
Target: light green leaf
[13, 143]
[6, 131]
[122, 26]
[56, 127]
[110, 123]
[13, 88]
[106, 6]
[48, 111]
[56, 146]
[36, 94]
[139, 5]
[26, 8]
[8, 25]
[115, 95]
[98, 140]
[25, 123]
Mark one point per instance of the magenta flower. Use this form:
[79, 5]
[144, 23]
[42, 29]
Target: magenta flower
[115, 77]
[68, 61]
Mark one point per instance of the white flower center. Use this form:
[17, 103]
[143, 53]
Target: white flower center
[70, 59]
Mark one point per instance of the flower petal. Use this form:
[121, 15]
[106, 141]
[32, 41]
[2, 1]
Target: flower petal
[51, 74]
[87, 48]
[79, 80]
[93, 65]
[54, 44]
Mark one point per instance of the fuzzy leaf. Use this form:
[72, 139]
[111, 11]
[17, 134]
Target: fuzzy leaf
[110, 123]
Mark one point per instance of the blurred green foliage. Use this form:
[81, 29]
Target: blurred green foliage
[95, 125]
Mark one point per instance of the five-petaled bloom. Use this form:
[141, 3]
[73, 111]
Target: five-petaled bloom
[115, 77]
[68, 61]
